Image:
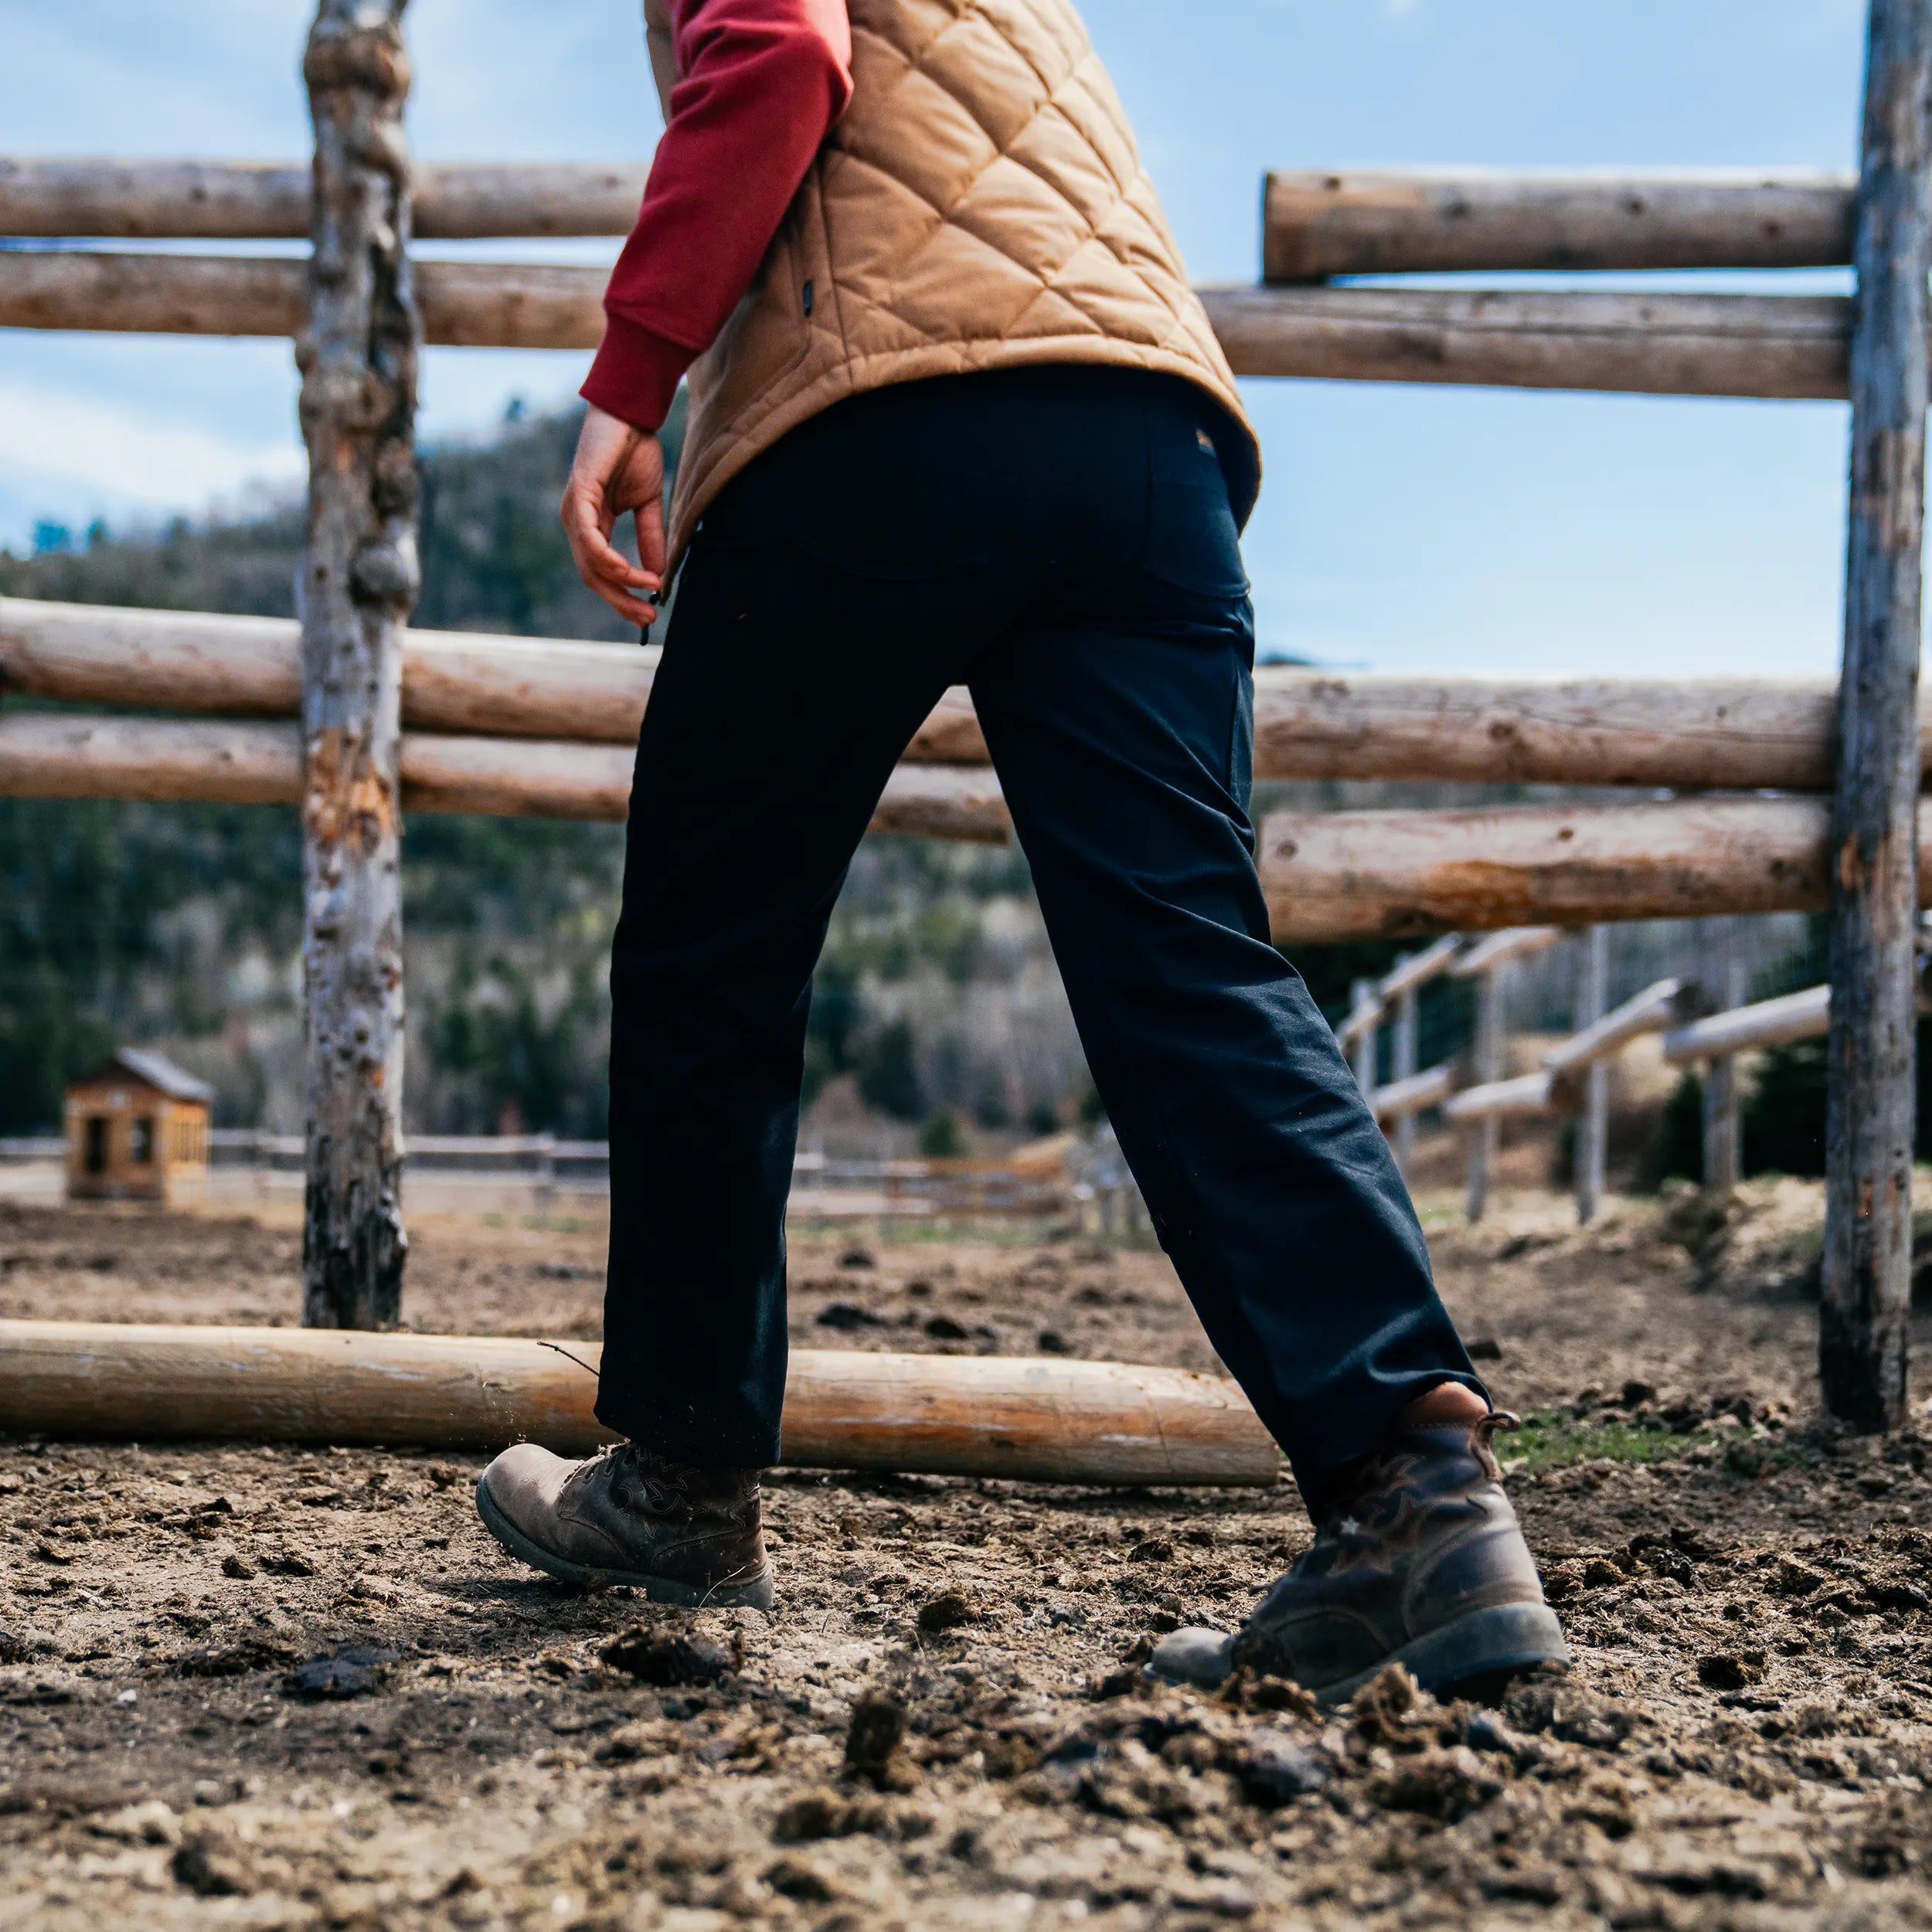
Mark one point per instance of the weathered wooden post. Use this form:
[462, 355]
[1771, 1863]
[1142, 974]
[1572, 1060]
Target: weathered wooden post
[358, 360]
[1593, 1124]
[1722, 972]
[1362, 1058]
[1403, 1066]
[1485, 1138]
[1868, 1120]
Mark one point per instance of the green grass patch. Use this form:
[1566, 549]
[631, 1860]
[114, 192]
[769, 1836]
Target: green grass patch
[1548, 1441]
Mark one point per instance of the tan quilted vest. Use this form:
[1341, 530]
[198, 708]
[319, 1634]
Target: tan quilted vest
[982, 204]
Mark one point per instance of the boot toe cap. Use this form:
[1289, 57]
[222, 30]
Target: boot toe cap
[522, 1483]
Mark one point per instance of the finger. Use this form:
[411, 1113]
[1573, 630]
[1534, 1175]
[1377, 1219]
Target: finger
[634, 610]
[594, 550]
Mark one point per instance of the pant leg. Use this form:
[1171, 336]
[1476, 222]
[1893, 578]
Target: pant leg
[1120, 718]
[787, 690]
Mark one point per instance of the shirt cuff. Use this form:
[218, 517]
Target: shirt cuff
[636, 373]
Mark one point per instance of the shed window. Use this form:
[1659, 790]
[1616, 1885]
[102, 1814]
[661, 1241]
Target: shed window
[143, 1151]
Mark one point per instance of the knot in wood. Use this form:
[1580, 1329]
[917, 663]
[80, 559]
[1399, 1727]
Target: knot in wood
[365, 50]
[355, 399]
[385, 572]
[395, 485]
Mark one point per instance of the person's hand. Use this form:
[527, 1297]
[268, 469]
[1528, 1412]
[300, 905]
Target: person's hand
[617, 468]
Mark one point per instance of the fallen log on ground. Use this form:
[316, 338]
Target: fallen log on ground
[269, 201]
[1790, 346]
[1324, 222]
[69, 755]
[1039, 1420]
[1358, 875]
[1735, 734]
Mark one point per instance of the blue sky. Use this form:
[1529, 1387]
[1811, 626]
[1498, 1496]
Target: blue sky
[1401, 528]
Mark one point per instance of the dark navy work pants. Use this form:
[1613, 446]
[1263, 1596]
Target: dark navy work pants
[1059, 540]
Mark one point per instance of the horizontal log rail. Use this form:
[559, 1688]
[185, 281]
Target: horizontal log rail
[1317, 222]
[1655, 1010]
[1323, 222]
[1407, 975]
[1731, 734]
[1745, 1029]
[49, 755]
[1400, 875]
[1039, 1420]
[1524, 1098]
[1790, 346]
[1327, 876]
[1400, 1099]
[1486, 954]
[269, 200]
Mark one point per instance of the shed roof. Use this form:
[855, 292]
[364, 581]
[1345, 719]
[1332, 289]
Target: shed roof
[155, 1071]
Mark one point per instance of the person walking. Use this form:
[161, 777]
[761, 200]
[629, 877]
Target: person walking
[956, 417]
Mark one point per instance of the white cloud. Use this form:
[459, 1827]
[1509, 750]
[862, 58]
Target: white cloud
[79, 449]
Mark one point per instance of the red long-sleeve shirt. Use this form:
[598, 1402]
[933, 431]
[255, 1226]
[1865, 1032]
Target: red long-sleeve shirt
[760, 84]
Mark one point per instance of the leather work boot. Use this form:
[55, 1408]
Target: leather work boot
[681, 1533]
[1418, 1561]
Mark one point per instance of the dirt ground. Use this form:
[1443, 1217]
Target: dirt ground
[259, 1687]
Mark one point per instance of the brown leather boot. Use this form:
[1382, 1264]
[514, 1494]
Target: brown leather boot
[1417, 1559]
[681, 1533]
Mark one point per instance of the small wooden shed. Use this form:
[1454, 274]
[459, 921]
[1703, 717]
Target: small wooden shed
[137, 1130]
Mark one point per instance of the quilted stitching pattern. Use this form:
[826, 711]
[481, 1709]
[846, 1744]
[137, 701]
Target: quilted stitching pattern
[982, 203]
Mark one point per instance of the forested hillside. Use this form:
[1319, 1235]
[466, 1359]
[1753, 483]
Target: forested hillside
[938, 1007]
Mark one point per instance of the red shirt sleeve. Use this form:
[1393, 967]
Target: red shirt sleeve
[762, 83]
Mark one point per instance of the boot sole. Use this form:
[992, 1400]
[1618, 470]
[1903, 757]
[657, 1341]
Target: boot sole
[758, 1593]
[1491, 1645]
[1495, 1643]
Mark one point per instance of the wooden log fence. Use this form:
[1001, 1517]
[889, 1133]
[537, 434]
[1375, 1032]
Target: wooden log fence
[1320, 222]
[71, 755]
[1729, 735]
[1772, 347]
[481, 725]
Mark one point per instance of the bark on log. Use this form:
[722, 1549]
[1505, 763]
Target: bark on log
[46, 755]
[1787, 346]
[1396, 874]
[1373, 222]
[359, 577]
[1748, 1029]
[1864, 1314]
[269, 200]
[1045, 1421]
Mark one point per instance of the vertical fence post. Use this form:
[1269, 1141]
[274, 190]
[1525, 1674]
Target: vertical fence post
[1363, 1058]
[1402, 1067]
[1722, 971]
[1485, 1137]
[1593, 1124]
[358, 358]
[1874, 846]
